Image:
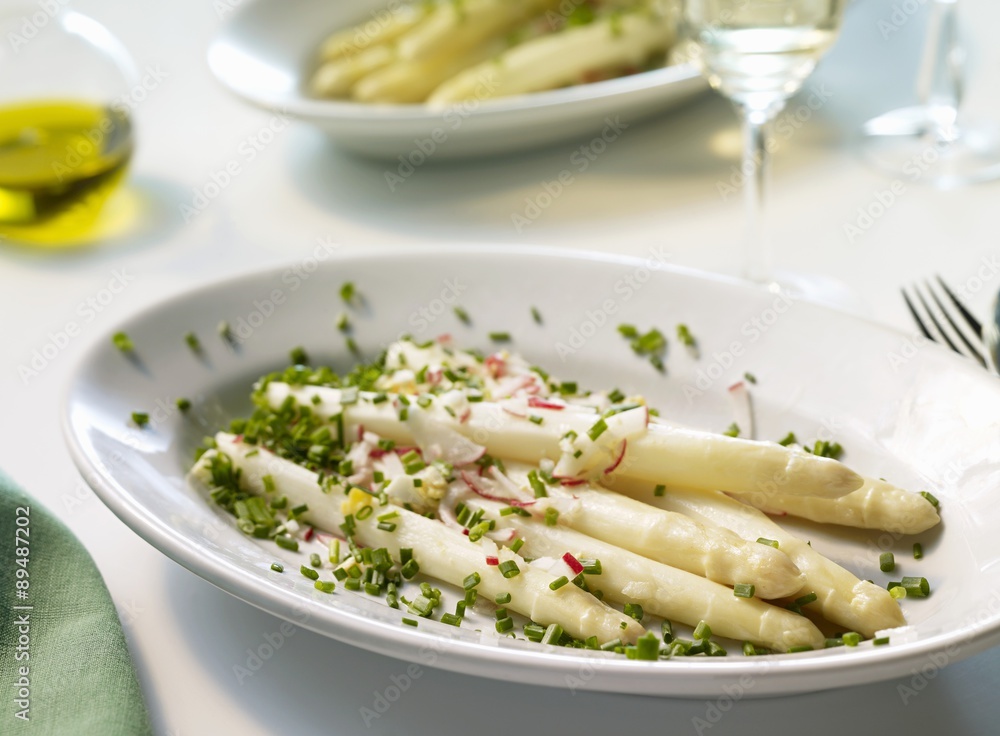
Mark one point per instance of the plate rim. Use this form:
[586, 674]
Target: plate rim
[871, 665]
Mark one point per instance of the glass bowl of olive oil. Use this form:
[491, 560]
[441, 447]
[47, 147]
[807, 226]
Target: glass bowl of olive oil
[66, 131]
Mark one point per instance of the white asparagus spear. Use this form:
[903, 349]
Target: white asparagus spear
[841, 597]
[335, 78]
[454, 27]
[661, 589]
[660, 454]
[671, 538]
[411, 81]
[441, 552]
[563, 58]
[383, 27]
[876, 505]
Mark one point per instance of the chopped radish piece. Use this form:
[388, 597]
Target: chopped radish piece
[441, 442]
[538, 403]
[516, 407]
[618, 460]
[493, 561]
[490, 489]
[574, 564]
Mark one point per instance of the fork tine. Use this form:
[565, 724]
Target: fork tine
[974, 323]
[937, 325]
[916, 316]
[974, 352]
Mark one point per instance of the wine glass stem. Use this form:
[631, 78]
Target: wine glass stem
[756, 167]
[941, 75]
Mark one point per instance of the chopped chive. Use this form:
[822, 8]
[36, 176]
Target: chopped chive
[597, 430]
[352, 584]
[502, 598]
[647, 647]
[929, 497]
[802, 648]
[806, 599]
[387, 526]
[409, 569]
[509, 568]
[744, 590]
[749, 650]
[141, 419]
[634, 610]
[364, 512]
[685, 336]
[183, 404]
[897, 592]
[193, 342]
[516, 546]
[551, 516]
[886, 562]
[286, 542]
[409, 622]
[749, 377]
[880, 641]
[851, 639]
[591, 567]
[352, 346]
[660, 490]
[277, 567]
[451, 619]
[326, 586]
[788, 439]
[225, 331]
[918, 551]
[769, 542]
[123, 342]
[628, 331]
[348, 291]
[535, 419]
[567, 388]
[536, 315]
[462, 315]
[552, 634]
[500, 336]
[504, 625]
[558, 582]
[471, 581]
[298, 356]
[343, 322]
[315, 561]
[309, 572]
[916, 587]
[702, 631]
[733, 430]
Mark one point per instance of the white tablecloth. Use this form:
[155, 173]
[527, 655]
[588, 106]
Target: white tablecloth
[658, 184]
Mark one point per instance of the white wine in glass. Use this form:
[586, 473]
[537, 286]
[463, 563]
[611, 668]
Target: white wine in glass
[758, 53]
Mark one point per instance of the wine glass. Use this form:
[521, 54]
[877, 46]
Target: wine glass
[758, 53]
[949, 154]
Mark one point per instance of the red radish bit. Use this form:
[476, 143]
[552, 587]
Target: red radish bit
[574, 564]
[742, 409]
[476, 485]
[493, 561]
[465, 416]
[572, 481]
[618, 460]
[444, 339]
[309, 534]
[495, 365]
[465, 532]
[361, 432]
[538, 403]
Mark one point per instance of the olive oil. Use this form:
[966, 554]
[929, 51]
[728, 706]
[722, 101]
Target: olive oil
[59, 163]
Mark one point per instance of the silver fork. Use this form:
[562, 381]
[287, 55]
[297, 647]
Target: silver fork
[943, 318]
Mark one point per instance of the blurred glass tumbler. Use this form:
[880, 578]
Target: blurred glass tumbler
[66, 134]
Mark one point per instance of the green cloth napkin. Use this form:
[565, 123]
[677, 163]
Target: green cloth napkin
[64, 663]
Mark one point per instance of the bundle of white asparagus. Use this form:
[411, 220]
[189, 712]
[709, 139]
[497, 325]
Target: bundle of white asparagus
[445, 52]
[527, 478]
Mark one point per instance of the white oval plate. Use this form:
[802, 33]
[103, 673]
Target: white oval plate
[911, 413]
[265, 49]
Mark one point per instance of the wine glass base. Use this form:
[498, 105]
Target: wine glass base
[908, 143]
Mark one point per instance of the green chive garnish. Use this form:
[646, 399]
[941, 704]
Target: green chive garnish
[277, 567]
[309, 572]
[471, 581]
[558, 582]
[660, 490]
[918, 550]
[123, 342]
[685, 336]
[744, 590]
[552, 634]
[851, 639]
[141, 418]
[183, 404]
[788, 439]
[930, 499]
[916, 587]
[597, 430]
[634, 610]
[769, 542]
[509, 568]
[536, 315]
[886, 562]
[193, 342]
[702, 631]
[502, 598]
[504, 625]
[500, 336]
[462, 315]
[733, 430]
[325, 586]
[348, 292]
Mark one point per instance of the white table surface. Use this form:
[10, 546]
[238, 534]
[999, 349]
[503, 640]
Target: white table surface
[656, 185]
